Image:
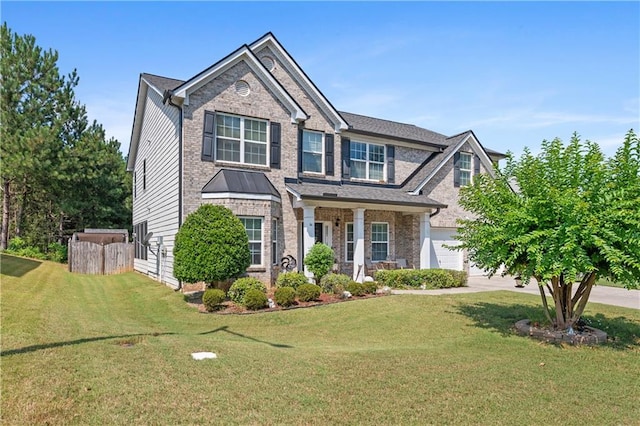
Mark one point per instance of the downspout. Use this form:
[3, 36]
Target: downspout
[434, 213]
[167, 99]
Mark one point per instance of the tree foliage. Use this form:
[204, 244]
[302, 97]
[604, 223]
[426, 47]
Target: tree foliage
[319, 260]
[211, 245]
[566, 216]
[59, 174]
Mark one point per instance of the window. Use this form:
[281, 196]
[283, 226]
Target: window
[349, 242]
[241, 140]
[367, 161]
[144, 174]
[274, 242]
[140, 251]
[312, 151]
[465, 168]
[253, 225]
[379, 241]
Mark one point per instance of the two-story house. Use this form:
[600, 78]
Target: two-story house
[253, 133]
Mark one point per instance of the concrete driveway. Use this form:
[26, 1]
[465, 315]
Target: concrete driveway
[599, 294]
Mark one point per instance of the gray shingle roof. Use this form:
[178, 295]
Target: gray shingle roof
[240, 182]
[361, 194]
[162, 83]
[362, 123]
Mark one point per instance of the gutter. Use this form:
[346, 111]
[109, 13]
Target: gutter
[434, 213]
[166, 98]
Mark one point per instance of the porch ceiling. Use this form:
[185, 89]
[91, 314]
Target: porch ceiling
[359, 196]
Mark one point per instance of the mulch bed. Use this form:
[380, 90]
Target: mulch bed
[229, 308]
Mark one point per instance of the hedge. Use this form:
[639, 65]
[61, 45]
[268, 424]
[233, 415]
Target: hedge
[417, 278]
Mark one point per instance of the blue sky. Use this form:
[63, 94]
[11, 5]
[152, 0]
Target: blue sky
[514, 73]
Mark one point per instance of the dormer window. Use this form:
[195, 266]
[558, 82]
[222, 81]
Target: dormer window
[367, 161]
[465, 168]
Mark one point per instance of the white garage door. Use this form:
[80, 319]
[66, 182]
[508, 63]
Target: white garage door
[442, 257]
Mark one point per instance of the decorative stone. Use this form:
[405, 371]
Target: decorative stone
[368, 279]
[590, 335]
[346, 294]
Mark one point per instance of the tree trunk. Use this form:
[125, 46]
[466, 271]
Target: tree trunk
[6, 202]
[569, 307]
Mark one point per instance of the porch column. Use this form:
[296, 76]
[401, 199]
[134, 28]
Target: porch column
[425, 240]
[308, 234]
[358, 245]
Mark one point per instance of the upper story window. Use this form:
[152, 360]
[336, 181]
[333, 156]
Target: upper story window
[241, 140]
[312, 152]
[463, 167]
[367, 161]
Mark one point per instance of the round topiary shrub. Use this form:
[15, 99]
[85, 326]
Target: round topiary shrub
[355, 288]
[285, 296]
[308, 292]
[212, 299]
[370, 287]
[291, 279]
[241, 286]
[255, 299]
[334, 283]
[319, 260]
[211, 245]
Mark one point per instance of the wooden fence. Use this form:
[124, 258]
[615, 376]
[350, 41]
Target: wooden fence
[86, 257]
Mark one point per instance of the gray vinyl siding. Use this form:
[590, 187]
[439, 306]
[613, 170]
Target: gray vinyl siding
[158, 204]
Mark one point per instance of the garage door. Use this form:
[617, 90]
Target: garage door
[442, 257]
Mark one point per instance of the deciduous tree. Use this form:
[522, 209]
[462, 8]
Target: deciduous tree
[564, 217]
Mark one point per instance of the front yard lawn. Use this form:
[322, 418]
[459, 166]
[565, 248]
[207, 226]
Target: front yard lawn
[116, 349]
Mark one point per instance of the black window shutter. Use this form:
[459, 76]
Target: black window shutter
[476, 165]
[391, 164]
[328, 154]
[456, 170]
[208, 136]
[300, 150]
[346, 158]
[275, 145]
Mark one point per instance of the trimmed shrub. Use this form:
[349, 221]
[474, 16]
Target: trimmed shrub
[460, 277]
[308, 292]
[241, 287]
[319, 260]
[211, 245]
[335, 283]
[212, 299]
[355, 288]
[421, 278]
[255, 299]
[291, 279]
[370, 287]
[285, 296]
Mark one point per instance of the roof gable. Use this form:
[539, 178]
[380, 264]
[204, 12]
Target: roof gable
[245, 54]
[455, 143]
[269, 40]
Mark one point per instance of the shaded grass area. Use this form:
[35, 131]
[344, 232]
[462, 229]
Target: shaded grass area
[86, 349]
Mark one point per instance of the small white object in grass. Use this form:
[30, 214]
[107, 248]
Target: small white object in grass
[203, 355]
[271, 303]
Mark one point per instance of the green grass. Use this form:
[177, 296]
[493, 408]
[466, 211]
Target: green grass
[80, 349]
[607, 283]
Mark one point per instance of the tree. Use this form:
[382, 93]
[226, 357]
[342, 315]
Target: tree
[36, 102]
[319, 260]
[565, 217]
[211, 245]
[59, 174]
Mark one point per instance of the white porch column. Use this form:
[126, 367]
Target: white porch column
[358, 245]
[308, 234]
[425, 240]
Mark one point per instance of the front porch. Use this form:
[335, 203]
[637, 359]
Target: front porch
[363, 239]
